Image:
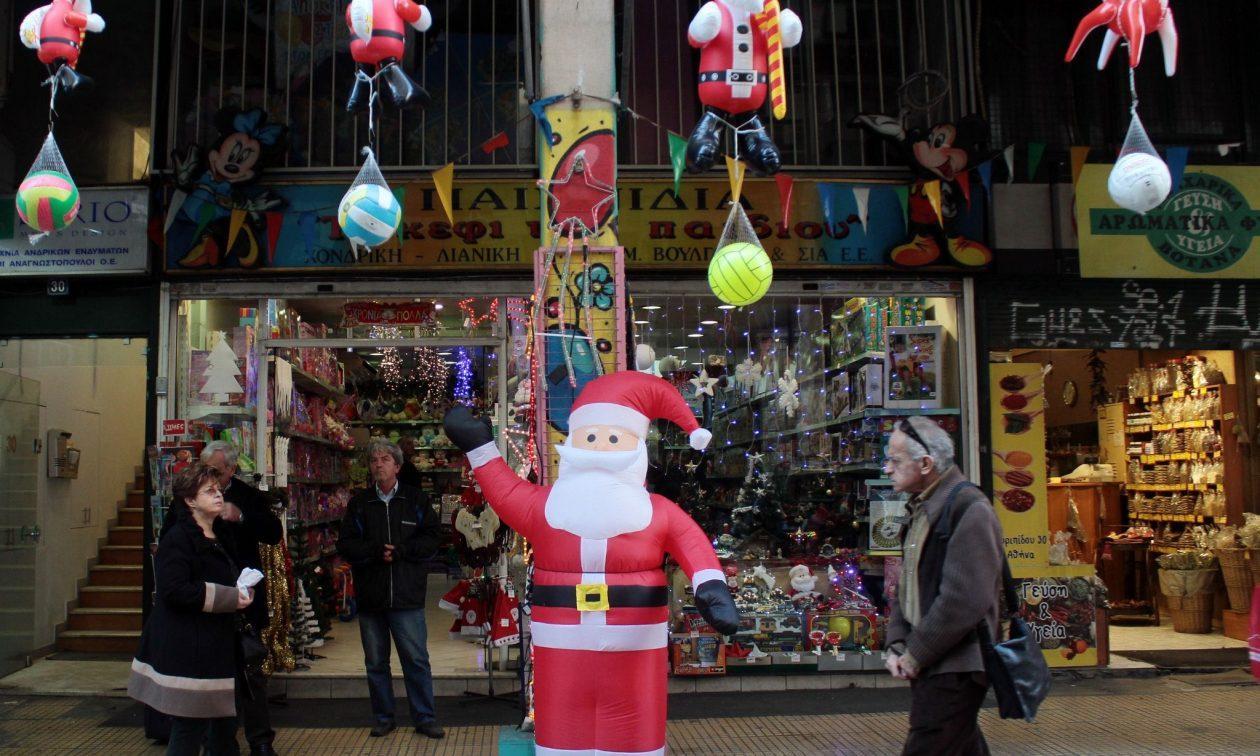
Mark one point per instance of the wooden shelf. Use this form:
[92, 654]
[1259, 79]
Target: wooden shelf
[311, 438]
[1151, 459]
[857, 359]
[309, 383]
[893, 412]
[1201, 391]
[391, 423]
[1175, 517]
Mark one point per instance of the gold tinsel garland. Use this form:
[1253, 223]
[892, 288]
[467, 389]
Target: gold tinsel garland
[276, 636]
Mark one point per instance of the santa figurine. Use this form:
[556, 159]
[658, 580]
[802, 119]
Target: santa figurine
[56, 32]
[741, 59]
[599, 598]
[803, 582]
[379, 41]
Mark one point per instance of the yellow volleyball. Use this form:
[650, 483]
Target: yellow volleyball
[740, 273]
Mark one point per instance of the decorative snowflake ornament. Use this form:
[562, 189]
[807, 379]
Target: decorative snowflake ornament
[788, 400]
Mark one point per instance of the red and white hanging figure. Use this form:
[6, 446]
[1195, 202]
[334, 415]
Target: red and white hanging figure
[599, 601]
[741, 58]
[56, 32]
[1130, 20]
[379, 31]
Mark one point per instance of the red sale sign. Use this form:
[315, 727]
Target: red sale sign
[174, 427]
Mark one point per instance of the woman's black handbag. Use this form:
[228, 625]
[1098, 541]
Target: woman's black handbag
[1016, 667]
[253, 652]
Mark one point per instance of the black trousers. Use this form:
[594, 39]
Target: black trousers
[251, 708]
[943, 711]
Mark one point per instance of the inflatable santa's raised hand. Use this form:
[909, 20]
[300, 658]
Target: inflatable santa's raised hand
[741, 59]
[379, 32]
[600, 617]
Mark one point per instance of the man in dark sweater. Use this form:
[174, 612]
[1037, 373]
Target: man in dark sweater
[248, 511]
[947, 588]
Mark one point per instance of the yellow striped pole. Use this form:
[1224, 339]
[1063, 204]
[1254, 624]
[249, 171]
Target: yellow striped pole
[768, 22]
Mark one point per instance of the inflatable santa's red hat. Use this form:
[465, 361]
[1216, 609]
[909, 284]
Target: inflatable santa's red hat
[632, 400]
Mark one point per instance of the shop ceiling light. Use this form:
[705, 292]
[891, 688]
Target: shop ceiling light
[437, 305]
[651, 307]
[642, 322]
[695, 335]
[708, 322]
[726, 307]
[682, 347]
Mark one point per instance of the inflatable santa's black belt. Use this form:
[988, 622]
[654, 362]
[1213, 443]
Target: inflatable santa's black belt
[599, 597]
[734, 77]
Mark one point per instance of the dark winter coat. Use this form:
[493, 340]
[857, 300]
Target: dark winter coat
[258, 525]
[187, 662]
[411, 525]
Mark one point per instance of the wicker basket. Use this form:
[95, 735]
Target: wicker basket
[1191, 614]
[1237, 576]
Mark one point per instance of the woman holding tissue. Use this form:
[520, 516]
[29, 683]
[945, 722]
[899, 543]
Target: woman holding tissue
[189, 659]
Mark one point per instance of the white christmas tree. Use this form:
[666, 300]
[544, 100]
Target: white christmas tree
[222, 371]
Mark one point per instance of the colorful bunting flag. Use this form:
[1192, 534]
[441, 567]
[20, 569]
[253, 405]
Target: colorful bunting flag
[539, 109]
[275, 221]
[785, 183]
[735, 172]
[443, 178]
[933, 191]
[862, 198]
[235, 222]
[677, 158]
[1079, 155]
[496, 142]
[1177, 157]
[903, 196]
[400, 194]
[986, 177]
[1008, 155]
[177, 201]
[964, 183]
[1036, 150]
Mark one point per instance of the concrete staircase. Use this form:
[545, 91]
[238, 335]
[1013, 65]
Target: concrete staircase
[108, 614]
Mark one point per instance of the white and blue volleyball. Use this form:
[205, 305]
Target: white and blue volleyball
[369, 214]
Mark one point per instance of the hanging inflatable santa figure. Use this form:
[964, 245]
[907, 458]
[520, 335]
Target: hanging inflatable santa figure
[599, 599]
[56, 32]
[741, 58]
[379, 31]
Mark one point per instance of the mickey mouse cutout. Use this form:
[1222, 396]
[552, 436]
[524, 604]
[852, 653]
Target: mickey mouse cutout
[56, 32]
[944, 153]
[741, 58]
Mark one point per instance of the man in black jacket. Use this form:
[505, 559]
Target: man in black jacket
[250, 522]
[388, 533]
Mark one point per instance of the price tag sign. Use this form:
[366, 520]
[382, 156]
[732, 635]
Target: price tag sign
[174, 427]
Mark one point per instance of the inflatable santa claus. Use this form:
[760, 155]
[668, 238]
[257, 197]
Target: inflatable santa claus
[600, 617]
[56, 32]
[379, 31]
[741, 57]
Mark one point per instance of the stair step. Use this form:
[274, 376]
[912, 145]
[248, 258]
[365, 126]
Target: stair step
[111, 596]
[133, 555]
[98, 618]
[99, 641]
[126, 535]
[131, 517]
[117, 574]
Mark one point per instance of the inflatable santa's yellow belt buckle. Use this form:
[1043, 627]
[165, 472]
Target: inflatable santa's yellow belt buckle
[592, 597]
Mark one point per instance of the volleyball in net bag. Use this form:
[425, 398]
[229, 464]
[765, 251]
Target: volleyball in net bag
[740, 271]
[47, 199]
[369, 212]
[1140, 180]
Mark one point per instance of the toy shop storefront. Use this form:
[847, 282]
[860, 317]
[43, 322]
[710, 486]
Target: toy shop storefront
[278, 348]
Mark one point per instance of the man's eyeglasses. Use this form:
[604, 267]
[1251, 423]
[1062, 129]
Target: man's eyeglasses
[905, 427]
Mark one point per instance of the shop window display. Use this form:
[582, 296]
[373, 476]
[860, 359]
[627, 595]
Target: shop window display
[801, 396]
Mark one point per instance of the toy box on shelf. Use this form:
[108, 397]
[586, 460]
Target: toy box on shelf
[913, 364]
[698, 654]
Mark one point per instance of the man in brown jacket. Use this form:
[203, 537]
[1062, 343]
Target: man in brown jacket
[948, 585]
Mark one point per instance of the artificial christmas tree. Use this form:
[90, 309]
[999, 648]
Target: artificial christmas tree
[222, 371]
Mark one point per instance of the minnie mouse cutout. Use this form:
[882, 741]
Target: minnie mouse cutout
[946, 153]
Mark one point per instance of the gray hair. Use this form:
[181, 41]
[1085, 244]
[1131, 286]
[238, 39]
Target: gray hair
[377, 445]
[940, 446]
[230, 454]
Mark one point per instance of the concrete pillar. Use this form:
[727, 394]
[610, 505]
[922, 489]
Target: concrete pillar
[575, 40]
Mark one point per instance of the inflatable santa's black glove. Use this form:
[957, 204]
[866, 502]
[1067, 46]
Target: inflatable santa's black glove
[465, 430]
[714, 601]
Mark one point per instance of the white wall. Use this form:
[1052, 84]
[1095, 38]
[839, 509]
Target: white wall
[94, 389]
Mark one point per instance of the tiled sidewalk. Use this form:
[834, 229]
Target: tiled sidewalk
[1165, 716]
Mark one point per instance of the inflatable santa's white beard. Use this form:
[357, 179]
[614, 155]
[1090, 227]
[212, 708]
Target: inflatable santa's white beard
[600, 494]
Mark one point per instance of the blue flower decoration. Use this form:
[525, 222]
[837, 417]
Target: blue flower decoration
[601, 287]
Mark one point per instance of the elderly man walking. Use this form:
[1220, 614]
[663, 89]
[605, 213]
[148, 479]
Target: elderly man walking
[950, 581]
[388, 532]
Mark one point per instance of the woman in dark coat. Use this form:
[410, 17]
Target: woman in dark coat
[188, 663]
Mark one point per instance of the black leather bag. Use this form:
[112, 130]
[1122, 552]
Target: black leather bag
[1016, 667]
[253, 652]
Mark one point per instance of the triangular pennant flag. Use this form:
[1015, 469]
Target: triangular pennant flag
[986, 176]
[826, 196]
[903, 196]
[1079, 155]
[443, 178]
[933, 191]
[234, 226]
[862, 198]
[539, 109]
[1008, 155]
[204, 216]
[785, 183]
[177, 201]
[735, 172]
[400, 194]
[964, 183]
[1176, 157]
[1036, 150]
[677, 158]
[496, 142]
[275, 221]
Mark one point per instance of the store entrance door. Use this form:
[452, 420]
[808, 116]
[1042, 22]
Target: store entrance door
[19, 531]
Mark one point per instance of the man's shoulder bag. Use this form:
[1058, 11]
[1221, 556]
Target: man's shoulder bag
[1016, 667]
